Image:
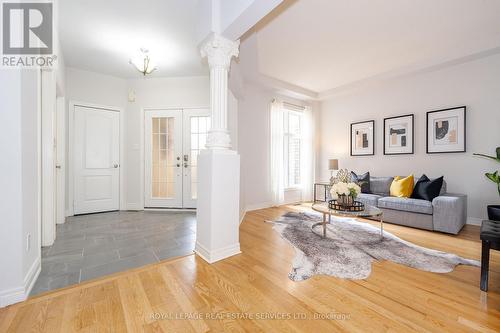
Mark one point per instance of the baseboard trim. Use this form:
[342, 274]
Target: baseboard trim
[166, 210]
[20, 294]
[473, 221]
[134, 206]
[32, 276]
[216, 255]
[258, 206]
[242, 215]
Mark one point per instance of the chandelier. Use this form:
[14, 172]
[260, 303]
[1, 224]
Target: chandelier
[142, 62]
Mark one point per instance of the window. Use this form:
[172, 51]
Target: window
[292, 142]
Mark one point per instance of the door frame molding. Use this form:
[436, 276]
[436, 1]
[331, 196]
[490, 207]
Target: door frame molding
[61, 159]
[140, 205]
[71, 151]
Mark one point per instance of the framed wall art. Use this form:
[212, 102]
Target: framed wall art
[446, 131]
[363, 138]
[399, 135]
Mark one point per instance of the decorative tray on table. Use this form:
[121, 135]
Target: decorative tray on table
[356, 206]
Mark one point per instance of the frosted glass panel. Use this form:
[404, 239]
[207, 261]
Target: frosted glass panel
[156, 125]
[163, 125]
[199, 132]
[163, 164]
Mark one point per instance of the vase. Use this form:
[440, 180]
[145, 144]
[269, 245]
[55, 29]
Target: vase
[494, 212]
[345, 200]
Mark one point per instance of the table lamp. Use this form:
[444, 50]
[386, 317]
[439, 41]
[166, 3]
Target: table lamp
[333, 165]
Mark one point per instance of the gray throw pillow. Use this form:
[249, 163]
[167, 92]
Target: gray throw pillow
[362, 180]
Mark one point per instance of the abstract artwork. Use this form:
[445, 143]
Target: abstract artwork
[362, 138]
[398, 135]
[446, 130]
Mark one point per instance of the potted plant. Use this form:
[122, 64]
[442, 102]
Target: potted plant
[493, 210]
[345, 193]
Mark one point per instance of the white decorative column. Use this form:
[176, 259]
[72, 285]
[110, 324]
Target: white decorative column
[218, 167]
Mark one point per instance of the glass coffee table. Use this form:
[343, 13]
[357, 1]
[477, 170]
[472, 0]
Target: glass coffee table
[369, 212]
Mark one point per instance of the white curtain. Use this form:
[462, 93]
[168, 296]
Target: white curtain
[307, 155]
[277, 162]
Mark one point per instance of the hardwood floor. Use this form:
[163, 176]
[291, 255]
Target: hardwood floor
[244, 292]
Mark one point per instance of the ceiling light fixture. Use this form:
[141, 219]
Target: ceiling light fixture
[142, 62]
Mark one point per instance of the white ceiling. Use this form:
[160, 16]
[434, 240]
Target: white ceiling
[102, 36]
[322, 45]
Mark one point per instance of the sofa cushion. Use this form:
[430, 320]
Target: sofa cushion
[443, 188]
[402, 187]
[427, 189]
[380, 185]
[362, 180]
[406, 204]
[369, 199]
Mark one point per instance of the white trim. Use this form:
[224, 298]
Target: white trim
[39, 171]
[134, 206]
[216, 255]
[48, 157]
[258, 206]
[473, 221]
[20, 294]
[142, 142]
[32, 276]
[60, 183]
[243, 213]
[71, 128]
[11, 296]
[169, 210]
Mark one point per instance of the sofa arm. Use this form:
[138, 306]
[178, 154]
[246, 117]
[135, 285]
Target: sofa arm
[449, 212]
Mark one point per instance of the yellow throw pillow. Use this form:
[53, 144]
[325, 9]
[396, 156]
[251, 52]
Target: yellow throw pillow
[402, 187]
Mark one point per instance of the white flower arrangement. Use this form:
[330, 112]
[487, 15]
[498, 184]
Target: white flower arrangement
[345, 189]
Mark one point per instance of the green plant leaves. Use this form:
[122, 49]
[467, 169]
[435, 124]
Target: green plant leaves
[494, 177]
[490, 157]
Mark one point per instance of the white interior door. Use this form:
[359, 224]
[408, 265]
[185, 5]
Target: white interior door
[163, 159]
[196, 126]
[96, 160]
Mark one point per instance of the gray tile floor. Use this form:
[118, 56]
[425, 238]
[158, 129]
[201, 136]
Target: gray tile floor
[90, 246]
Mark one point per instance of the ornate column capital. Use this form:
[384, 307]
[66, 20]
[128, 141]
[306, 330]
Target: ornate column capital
[219, 50]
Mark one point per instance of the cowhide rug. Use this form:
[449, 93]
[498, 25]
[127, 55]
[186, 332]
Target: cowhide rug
[350, 247]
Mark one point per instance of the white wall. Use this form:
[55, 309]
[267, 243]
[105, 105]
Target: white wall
[176, 92]
[254, 147]
[19, 181]
[93, 88]
[179, 92]
[11, 184]
[31, 166]
[475, 84]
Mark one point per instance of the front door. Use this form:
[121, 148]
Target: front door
[173, 140]
[97, 160]
[196, 126]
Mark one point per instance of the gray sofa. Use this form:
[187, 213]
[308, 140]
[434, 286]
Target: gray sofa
[446, 213]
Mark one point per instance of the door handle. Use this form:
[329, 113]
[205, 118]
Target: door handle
[58, 166]
[115, 166]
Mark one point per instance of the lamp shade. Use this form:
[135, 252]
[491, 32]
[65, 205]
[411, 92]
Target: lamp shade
[333, 164]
